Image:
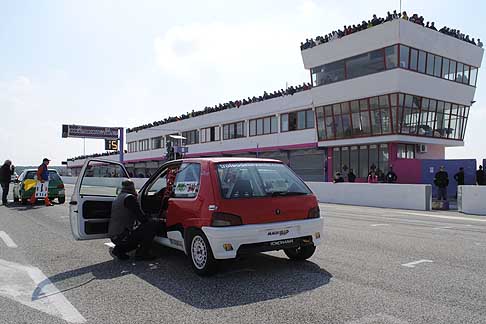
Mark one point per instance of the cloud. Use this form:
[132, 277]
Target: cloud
[191, 50]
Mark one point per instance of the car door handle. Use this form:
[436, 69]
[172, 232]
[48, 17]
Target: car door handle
[73, 202]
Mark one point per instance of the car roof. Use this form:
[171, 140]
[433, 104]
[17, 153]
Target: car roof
[35, 170]
[229, 159]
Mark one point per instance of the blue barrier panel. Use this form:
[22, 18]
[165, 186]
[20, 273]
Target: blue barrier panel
[431, 167]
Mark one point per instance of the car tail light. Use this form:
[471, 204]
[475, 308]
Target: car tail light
[224, 219]
[314, 212]
[60, 186]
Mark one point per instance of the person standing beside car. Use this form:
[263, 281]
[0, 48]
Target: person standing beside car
[42, 176]
[6, 172]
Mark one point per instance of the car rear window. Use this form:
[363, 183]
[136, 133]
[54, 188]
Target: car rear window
[53, 175]
[250, 179]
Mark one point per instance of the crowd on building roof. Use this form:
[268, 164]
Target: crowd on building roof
[82, 157]
[229, 105]
[375, 21]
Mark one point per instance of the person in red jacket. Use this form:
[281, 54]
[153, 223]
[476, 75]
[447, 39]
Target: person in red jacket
[42, 176]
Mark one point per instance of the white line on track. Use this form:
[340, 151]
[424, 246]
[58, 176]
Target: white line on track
[29, 286]
[441, 228]
[8, 241]
[445, 217]
[414, 263]
[109, 244]
[376, 225]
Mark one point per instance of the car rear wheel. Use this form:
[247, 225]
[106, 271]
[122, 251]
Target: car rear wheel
[15, 199]
[202, 259]
[301, 252]
[24, 201]
[61, 200]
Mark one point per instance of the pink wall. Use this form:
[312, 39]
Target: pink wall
[434, 152]
[408, 170]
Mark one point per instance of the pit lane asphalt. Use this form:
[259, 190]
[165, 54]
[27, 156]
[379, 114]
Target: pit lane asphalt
[357, 275]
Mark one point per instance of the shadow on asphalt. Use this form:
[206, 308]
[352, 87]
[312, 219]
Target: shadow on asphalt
[252, 279]
[18, 206]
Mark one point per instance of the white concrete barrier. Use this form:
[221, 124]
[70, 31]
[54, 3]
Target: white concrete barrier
[472, 200]
[403, 196]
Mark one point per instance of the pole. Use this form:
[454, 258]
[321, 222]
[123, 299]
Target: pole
[84, 146]
[400, 6]
[121, 144]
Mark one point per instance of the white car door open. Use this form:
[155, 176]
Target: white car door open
[96, 187]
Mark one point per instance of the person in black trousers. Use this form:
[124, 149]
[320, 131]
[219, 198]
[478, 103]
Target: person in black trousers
[480, 176]
[6, 172]
[459, 177]
[441, 180]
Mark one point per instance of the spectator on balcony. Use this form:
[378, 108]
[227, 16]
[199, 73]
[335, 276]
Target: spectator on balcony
[404, 15]
[351, 176]
[480, 44]
[432, 26]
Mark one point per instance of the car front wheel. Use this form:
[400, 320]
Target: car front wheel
[300, 253]
[202, 259]
[61, 200]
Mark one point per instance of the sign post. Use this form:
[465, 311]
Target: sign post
[109, 134]
[120, 146]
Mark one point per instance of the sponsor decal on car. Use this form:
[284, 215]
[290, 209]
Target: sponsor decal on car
[283, 242]
[280, 232]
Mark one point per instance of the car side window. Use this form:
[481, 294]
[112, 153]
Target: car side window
[102, 179]
[187, 181]
[158, 186]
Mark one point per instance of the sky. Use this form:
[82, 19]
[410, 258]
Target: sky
[127, 63]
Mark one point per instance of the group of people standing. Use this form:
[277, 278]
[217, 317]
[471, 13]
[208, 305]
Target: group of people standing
[374, 176]
[7, 170]
[441, 180]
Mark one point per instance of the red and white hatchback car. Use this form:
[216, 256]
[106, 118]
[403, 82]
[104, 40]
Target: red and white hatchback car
[214, 208]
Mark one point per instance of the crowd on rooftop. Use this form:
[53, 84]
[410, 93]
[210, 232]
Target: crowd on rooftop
[375, 21]
[229, 105]
[82, 157]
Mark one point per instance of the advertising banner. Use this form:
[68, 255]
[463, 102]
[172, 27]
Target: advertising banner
[89, 132]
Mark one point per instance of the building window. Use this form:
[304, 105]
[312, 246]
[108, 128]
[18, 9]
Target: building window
[364, 64]
[210, 134]
[361, 159]
[263, 126]
[234, 130]
[192, 137]
[157, 143]
[406, 151]
[422, 60]
[132, 147]
[391, 54]
[143, 145]
[391, 114]
[404, 56]
[297, 120]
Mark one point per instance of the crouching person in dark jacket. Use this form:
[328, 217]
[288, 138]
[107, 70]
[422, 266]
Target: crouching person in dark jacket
[129, 227]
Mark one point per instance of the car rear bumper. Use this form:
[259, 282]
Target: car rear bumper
[262, 237]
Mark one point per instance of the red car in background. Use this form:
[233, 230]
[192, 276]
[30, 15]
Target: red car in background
[214, 208]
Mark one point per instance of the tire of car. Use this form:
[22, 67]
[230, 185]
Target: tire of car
[200, 253]
[61, 200]
[16, 199]
[300, 253]
[24, 201]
